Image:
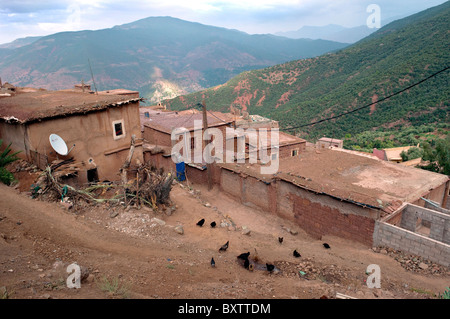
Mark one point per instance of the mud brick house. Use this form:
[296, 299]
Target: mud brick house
[331, 192]
[326, 142]
[97, 128]
[391, 154]
[157, 131]
[286, 146]
[255, 121]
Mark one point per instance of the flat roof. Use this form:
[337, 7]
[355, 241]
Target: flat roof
[284, 139]
[363, 180]
[167, 121]
[118, 92]
[329, 139]
[29, 106]
[394, 152]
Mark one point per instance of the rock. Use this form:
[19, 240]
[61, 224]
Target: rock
[423, 266]
[158, 221]
[57, 265]
[90, 278]
[147, 209]
[207, 205]
[66, 204]
[113, 214]
[286, 229]
[383, 251]
[293, 232]
[85, 273]
[179, 229]
[245, 230]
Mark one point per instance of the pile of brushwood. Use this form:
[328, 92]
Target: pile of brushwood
[150, 187]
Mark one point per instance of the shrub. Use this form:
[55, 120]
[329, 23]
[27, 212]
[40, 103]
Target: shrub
[6, 158]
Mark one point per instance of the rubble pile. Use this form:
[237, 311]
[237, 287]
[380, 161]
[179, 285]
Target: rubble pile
[413, 262]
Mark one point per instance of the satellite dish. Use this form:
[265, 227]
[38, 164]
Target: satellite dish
[58, 144]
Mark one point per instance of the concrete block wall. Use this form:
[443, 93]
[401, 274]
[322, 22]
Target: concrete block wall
[439, 222]
[438, 209]
[395, 237]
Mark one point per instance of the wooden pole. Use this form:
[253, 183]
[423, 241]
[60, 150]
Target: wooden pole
[126, 165]
[207, 140]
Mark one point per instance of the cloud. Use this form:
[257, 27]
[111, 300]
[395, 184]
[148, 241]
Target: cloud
[19, 18]
[29, 6]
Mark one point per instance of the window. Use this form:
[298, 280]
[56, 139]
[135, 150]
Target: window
[274, 156]
[294, 152]
[118, 129]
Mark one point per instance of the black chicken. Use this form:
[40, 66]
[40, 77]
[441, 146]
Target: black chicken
[201, 222]
[244, 256]
[246, 263]
[296, 254]
[270, 267]
[224, 247]
[213, 224]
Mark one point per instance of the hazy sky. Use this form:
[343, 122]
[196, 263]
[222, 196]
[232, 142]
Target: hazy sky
[36, 18]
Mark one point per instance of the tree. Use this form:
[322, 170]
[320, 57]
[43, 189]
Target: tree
[443, 155]
[439, 157]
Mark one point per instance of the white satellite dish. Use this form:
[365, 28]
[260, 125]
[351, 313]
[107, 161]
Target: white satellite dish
[58, 144]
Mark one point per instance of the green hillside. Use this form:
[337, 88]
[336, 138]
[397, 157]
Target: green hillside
[303, 91]
[159, 56]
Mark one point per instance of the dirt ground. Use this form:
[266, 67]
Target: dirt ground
[128, 254]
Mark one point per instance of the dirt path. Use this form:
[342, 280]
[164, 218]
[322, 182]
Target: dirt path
[39, 239]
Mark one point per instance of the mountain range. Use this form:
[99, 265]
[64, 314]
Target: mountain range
[334, 32]
[162, 57]
[305, 91]
[330, 32]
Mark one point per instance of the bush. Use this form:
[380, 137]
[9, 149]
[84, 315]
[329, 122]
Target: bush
[6, 176]
[446, 294]
[5, 158]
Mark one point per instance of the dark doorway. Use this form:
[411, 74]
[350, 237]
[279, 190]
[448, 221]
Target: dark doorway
[92, 175]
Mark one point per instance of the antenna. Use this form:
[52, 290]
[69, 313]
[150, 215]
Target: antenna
[59, 145]
[92, 76]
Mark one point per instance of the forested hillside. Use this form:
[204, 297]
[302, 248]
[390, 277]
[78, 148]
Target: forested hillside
[304, 91]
